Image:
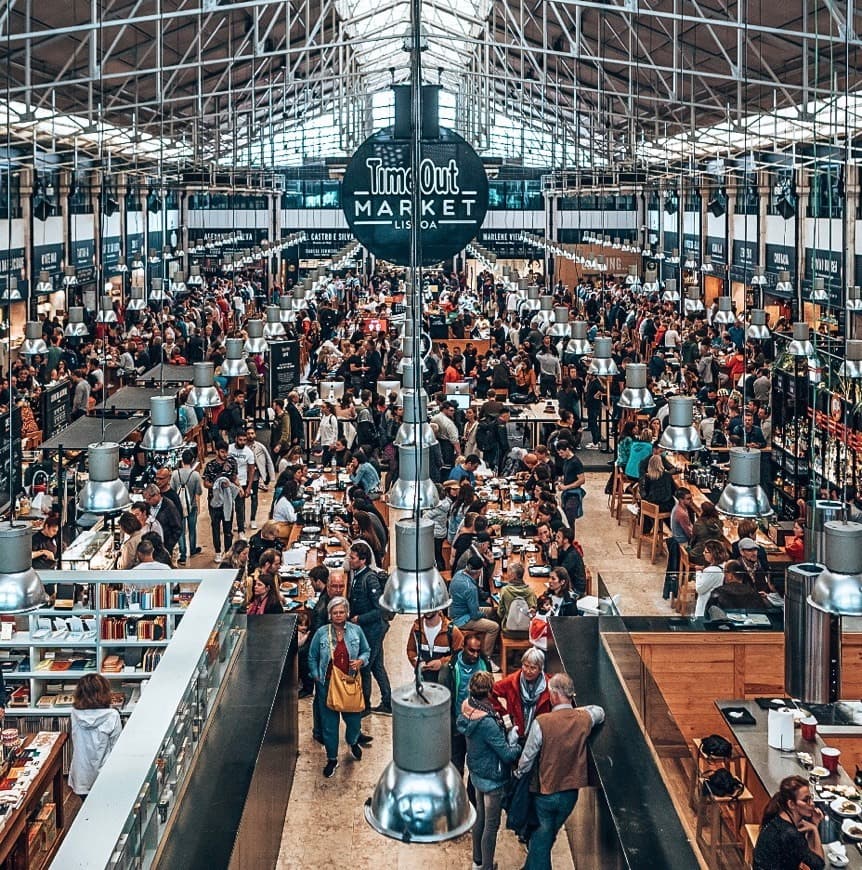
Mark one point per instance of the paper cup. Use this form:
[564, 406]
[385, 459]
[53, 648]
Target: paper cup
[830, 757]
[809, 728]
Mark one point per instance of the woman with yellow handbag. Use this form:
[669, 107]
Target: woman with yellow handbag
[338, 652]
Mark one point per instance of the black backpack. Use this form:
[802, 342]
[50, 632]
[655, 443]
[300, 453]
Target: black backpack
[722, 783]
[486, 433]
[716, 746]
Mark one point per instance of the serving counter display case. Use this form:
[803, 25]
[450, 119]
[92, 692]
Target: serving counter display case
[126, 817]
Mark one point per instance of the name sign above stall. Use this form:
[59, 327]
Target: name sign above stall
[716, 247]
[56, 409]
[828, 265]
[377, 191]
[781, 258]
[320, 244]
[507, 244]
[10, 465]
[110, 253]
[49, 258]
[11, 263]
[82, 254]
[283, 368]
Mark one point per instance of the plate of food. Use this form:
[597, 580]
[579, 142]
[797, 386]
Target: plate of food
[288, 589]
[845, 808]
[819, 771]
[311, 530]
[851, 828]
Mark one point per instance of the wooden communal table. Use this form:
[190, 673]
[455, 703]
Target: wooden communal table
[14, 839]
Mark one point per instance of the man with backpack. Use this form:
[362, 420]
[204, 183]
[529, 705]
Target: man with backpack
[187, 484]
[365, 611]
[517, 602]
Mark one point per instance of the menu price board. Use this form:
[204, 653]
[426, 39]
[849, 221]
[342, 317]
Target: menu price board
[56, 409]
[10, 457]
[284, 368]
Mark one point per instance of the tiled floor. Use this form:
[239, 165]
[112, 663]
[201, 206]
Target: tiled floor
[326, 825]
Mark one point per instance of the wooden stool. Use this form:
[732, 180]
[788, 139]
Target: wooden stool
[507, 645]
[686, 593]
[634, 520]
[704, 765]
[752, 832]
[648, 509]
[709, 832]
[619, 496]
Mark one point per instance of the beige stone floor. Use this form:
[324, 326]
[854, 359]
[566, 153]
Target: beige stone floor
[326, 827]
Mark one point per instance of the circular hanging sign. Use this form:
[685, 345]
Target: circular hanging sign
[376, 196]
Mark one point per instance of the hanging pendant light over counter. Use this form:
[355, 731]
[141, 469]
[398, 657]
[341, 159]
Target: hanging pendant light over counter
[743, 496]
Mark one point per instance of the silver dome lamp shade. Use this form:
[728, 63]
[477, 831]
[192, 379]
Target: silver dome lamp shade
[299, 300]
[633, 279]
[10, 292]
[693, 303]
[157, 290]
[234, 365]
[680, 435]
[416, 584]
[544, 316]
[70, 276]
[706, 266]
[44, 285]
[104, 492]
[853, 301]
[531, 303]
[75, 326]
[743, 496]
[415, 426]
[851, 366]
[784, 285]
[136, 301]
[578, 344]
[838, 588]
[274, 328]
[414, 484]
[671, 294]
[758, 279]
[121, 268]
[724, 316]
[203, 393]
[286, 310]
[801, 344]
[757, 328]
[195, 279]
[163, 434]
[106, 311]
[818, 291]
[560, 328]
[420, 796]
[20, 587]
[255, 342]
[178, 282]
[33, 342]
[636, 396]
[602, 363]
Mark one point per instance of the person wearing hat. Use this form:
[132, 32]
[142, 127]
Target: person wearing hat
[749, 558]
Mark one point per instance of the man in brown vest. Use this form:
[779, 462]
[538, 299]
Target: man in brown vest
[556, 751]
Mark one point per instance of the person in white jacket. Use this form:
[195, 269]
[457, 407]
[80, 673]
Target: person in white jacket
[96, 728]
[327, 432]
[265, 471]
[711, 576]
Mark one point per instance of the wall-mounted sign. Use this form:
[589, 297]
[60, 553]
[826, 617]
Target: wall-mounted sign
[691, 245]
[48, 258]
[716, 247]
[781, 258]
[744, 253]
[376, 196]
[10, 460]
[319, 244]
[110, 253]
[81, 253]
[284, 368]
[11, 263]
[828, 265]
[134, 244]
[56, 409]
[507, 244]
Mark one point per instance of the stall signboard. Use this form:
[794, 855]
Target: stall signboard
[743, 259]
[134, 244]
[49, 258]
[284, 369]
[319, 244]
[81, 255]
[829, 266]
[56, 409]
[781, 258]
[10, 460]
[691, 246]
[110, 253]
[716, 247]
[671, 241]
[377, 194]
[507, 244]
[11, 263]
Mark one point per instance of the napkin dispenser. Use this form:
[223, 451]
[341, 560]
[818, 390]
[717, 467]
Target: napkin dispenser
[779, 729]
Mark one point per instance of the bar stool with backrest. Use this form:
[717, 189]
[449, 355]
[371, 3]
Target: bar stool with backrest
[686, 593]
[619, 495]
[651, 510]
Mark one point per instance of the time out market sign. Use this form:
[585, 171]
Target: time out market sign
[376, 195]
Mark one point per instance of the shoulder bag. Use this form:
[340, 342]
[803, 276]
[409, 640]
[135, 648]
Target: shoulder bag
[344, 694]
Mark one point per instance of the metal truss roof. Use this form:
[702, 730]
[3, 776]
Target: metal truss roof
[619, 80]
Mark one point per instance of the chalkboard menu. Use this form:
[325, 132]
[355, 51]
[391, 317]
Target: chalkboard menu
[56, 409]
[283, 368]
[10, 466]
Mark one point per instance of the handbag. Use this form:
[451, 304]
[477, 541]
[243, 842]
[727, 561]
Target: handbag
[344, 694]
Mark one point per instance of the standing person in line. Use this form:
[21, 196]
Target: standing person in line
[96, 728]
[264, 467]
[490, 753]
[557, 744]
[188, 486]
[246, 471]
[221, 468]
[342, 645]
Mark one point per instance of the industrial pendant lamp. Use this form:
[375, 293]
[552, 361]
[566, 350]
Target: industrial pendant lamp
[801, 346]
[136, 301]
[44, 285]
[414, 484]
[560, 329]
[602, 363]
[195, 279]
[234, 365]
[11, 293]
[70, 276]
[544, 316]
[255, 342]
[693, 303]
[838, 588]
[33, 343]
[578, 344]
[104, 492]
[633, 279]
[157, 290]
[636, 396]
[415, 426]
[743, 497]
[818, 291]
[851, 367]
[758, 279]
[784, 286]
[178, 283]
[163, 434]
[680, 435]
[415, 584]
[20, 587]
[724, 316]
[757, 328]
[75, 326]
[274, 328]
[671, 294]
[121, 268]
[854, 299]
[203, 393]
[106, 311]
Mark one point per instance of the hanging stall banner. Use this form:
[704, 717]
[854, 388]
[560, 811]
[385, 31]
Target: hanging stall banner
[781, 258]
[377, 189]
[110, 253]
[81, 254]
[284, 370]
[10, 461]
[319, 244]
[829, 266]
[56, 409]
[134, 244]
[716, 247]
[11, 262]
[508, 244]
[49, 258]
[691, 246]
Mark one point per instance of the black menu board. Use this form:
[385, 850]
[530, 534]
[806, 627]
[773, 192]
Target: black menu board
[10, 464]
[283, 368]
[56, 409]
